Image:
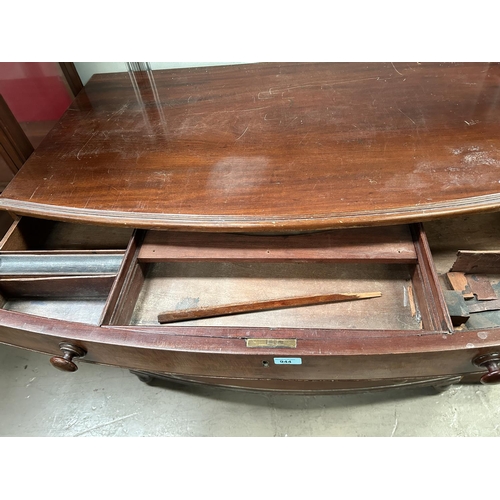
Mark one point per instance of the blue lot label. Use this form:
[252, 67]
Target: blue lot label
[287, 361]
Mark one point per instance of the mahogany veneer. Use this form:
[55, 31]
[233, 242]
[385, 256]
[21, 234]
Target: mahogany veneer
[267, 147]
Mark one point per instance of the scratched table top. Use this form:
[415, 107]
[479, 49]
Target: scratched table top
[271, 147]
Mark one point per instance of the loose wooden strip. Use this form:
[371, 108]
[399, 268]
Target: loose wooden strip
[264, 305]
[388, 244]
[411, 300]
[490, 305]
[458, 282]
[477, 262]
[481, 288]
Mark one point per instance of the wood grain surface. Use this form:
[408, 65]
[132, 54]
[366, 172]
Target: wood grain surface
[271, 147]
[262, 305]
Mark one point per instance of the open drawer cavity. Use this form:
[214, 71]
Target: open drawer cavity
[31, 234]
[203, 279]
[60, 270]
[466, 252]
[74, 298]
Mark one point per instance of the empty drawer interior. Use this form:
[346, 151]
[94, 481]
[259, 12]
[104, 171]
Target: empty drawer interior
[182, 271]
[31, 234]
[175, 286]
[72, 298]
[466, 253]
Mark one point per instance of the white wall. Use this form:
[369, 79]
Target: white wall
[87, 69]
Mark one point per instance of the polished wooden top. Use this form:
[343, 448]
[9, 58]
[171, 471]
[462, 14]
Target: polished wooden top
[271, 147]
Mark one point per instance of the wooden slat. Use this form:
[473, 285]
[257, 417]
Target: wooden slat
[123, 296]
[263, 305]
[429, 293]
[383, 245]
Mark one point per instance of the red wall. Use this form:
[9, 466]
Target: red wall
[34, 91]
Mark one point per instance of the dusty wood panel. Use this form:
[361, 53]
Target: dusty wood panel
[489, 305]
[481, 287]
[477, 262]
[271, 147]
[390, 244]
[80, 310]
[180, 285]
[57, 287]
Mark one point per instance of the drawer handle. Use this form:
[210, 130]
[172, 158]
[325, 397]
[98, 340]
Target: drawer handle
[65, 363]
[490, 362]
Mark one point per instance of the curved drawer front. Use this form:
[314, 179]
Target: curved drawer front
[363, 356]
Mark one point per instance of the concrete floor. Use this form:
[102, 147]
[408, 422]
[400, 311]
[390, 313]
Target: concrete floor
[37, 400]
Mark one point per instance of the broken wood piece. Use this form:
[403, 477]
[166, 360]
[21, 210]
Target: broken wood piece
[263, 305]
[411, 300]
[489, 305]
[458, 282]
[468, 261]
[481, 287]
[457, 308]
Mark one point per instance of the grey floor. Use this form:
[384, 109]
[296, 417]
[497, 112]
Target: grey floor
[37, 400]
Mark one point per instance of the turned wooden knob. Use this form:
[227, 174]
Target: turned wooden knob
[65, 362]
[491, 362]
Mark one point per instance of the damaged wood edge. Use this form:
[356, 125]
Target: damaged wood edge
[473, 261]
[411, 301]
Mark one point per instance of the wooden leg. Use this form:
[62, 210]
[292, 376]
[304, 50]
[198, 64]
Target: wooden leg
[143, 377]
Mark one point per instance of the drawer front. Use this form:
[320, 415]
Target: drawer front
[342, 359]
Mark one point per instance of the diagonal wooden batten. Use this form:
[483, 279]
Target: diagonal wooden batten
[263, 305]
